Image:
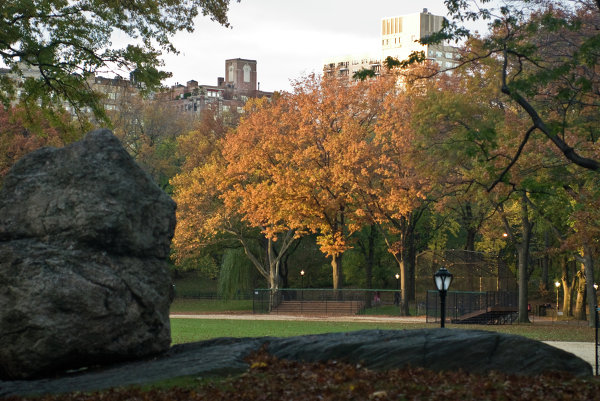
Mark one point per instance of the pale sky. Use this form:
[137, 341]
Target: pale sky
[288, 39]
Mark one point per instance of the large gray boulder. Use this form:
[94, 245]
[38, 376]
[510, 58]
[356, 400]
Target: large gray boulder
[84, 240]
[475, 351]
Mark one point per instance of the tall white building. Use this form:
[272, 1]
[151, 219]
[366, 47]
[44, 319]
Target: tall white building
[399, 36]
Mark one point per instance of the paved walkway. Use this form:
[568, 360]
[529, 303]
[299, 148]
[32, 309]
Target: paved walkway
[584, 350]
[244, 316]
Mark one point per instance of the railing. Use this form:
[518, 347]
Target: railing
[491, 307]
[330, 301]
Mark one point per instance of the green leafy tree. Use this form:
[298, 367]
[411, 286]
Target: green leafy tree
[549, 53]
[64, 42]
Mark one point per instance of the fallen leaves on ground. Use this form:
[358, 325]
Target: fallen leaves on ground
[269, 378]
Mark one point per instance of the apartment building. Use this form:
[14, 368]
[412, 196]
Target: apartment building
[399, 36]
[115, 91]
[229, 94]
[348, 65]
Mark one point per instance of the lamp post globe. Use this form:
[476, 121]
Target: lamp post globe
[442, 279]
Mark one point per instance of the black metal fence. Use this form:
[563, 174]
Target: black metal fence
[329, 301]
[469, 307]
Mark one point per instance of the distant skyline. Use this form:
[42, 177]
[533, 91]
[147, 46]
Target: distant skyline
[288, 39]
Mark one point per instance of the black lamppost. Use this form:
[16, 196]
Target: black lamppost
[397, 294]
[302, 278]
[442, 279]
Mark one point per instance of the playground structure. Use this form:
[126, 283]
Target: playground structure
[483, 291]
[472, 271]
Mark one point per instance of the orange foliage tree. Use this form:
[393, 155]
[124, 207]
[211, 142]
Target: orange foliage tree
[204, 218]
[317, 161]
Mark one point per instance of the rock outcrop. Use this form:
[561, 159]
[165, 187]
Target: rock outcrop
[437, 349]
[475, 351]
[84, 237]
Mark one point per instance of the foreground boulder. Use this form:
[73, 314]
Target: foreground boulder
[84, 237]
[474, 351]
[436, 349]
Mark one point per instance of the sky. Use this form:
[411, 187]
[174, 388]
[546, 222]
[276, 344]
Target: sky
[288, 39]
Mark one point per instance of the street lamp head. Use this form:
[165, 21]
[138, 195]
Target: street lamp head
[505, 235]
[397, 276]
[557, 284]
[302, 272]
[442, 279]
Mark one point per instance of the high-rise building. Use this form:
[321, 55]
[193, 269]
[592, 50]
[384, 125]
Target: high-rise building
[400, 35]
[399, 38]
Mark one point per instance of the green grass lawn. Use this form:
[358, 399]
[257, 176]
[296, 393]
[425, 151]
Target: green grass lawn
[189, 330]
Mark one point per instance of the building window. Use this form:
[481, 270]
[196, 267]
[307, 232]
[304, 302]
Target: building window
[246, 73]
[230, 75]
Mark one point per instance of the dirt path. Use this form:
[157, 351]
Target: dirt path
[244, 316]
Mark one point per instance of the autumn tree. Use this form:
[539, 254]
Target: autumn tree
[304, 161]
[149, 132]
[466, 127]
[204, 218]
[66, 41]
[548, 52]
[23, 130]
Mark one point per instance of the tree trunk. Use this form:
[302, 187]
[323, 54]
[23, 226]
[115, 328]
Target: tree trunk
[567, 286]
[580, 300]
[468, 222]
[336, 267]
[411, 257]
[523, 251]
[403, 288]
[523, 282]
[588, 263]
[370, 256]
[545, 264]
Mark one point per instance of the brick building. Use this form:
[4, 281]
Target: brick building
[229, 94]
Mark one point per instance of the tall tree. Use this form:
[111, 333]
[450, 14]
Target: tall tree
[203, 215]
[149, 133]
[549, 55]
[304, 161]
